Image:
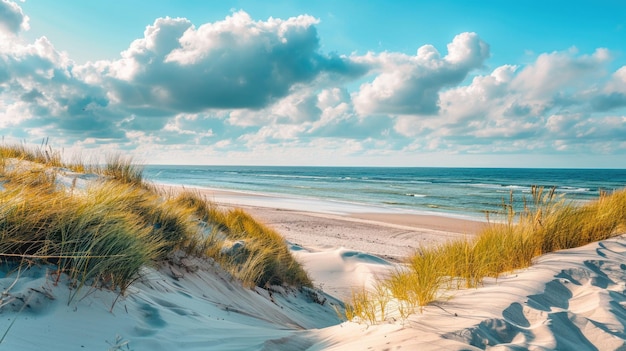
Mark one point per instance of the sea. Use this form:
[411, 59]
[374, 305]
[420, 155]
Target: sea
[462, 192]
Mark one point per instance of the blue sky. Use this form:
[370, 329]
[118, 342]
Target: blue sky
[402, 83]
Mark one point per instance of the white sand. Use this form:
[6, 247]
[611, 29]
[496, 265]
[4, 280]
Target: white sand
[331, 224]
[569, 300]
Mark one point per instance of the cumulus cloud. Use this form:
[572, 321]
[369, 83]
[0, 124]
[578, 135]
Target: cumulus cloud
[411, 84]
[613, 95]
[12, 19]
[552, 103]
[240, 87]
[561, 71]
[230, 64]
[40, 93]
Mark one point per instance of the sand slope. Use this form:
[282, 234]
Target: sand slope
[193, 306]
[570, 300]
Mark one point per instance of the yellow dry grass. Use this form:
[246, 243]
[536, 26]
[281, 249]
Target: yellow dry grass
[104, 234]
[548, 224]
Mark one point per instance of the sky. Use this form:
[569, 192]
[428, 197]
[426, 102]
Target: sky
[320, 83]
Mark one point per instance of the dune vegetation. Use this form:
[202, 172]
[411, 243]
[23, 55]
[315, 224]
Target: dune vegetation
[100, 224]
[546, 224]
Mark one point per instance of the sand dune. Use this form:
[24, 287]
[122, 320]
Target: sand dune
[569, 300]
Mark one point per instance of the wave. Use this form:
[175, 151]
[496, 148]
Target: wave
[446, 190]
[291, 176]
[571, 189]
[500, 187]
[415, 195]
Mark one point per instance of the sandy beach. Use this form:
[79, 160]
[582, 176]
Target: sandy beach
[362, 175]
[386, 234]
[568, 300]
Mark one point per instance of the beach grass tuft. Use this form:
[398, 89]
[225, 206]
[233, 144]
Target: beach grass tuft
[123, 169]
[546, 224]
[260, 257]
[42, 154]
[105, 233]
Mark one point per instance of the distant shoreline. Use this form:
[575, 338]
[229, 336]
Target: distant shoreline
[451, 192]
[390, 235]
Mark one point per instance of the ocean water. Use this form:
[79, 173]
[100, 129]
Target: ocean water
[450, 191]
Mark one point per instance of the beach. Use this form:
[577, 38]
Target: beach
[568, 300]
[312, 175]
[387, 234]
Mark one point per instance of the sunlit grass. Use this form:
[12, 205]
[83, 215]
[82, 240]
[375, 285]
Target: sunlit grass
[42, 154]
[545, 225]
[123, 169]
[84, 239]
[262, 258]
[105, 233]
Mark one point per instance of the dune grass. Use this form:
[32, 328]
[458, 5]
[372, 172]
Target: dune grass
[546, 225]
[83, 238]
[43, 154]
[123, 169]
[262, 258]
[102, 235]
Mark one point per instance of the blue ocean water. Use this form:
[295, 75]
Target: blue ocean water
[453, 191]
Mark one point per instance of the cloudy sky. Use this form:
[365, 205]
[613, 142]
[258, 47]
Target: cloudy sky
[371, 83]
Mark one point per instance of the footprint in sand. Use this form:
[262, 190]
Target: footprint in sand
[174, 307]
[152, 320]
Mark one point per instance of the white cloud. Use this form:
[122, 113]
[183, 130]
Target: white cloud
[411, 84]
[554, 98]
[12, 19]
[613, 95]
[233, 63]
[257, 91]
[558, 71]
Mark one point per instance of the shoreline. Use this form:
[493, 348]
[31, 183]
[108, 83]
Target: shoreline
[310, 204]
[390, 235]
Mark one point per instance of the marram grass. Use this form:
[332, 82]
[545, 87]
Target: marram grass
[549, 224]
[263, 258]
[104, 234]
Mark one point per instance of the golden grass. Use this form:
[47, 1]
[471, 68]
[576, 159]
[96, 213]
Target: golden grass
[123, 170]
[116, 166]
[264, 258]
[85, 239]
[43, 154]
[104, 234]
[548, 224]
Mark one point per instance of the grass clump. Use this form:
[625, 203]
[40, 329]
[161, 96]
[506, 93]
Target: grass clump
[548, 224]
[103, 234]
[260, 256]
[84, 239]
[43, 154]
[267, 257]
[123, 170]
